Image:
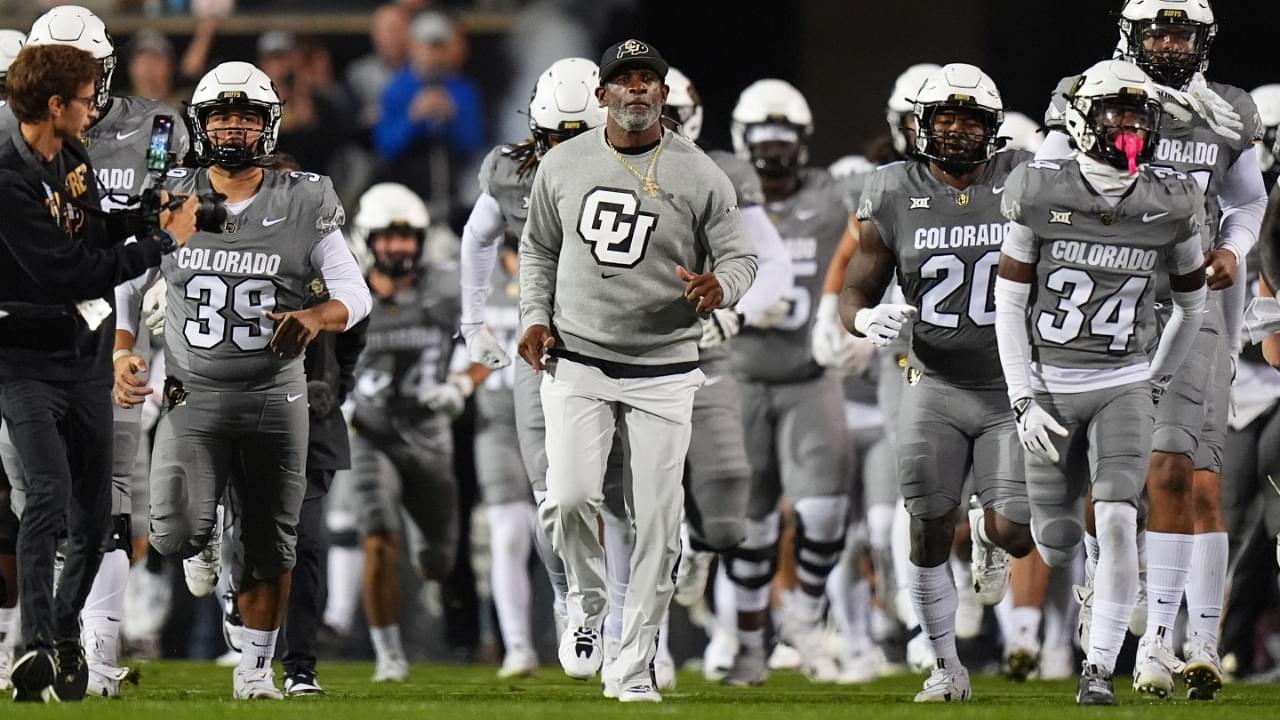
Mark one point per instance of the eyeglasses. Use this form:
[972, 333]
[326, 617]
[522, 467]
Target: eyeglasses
[88, 101]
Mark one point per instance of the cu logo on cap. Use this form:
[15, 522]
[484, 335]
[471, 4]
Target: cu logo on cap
[632, 47]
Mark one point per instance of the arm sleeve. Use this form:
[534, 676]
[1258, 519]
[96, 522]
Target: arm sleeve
[1179, 333]
[1244, 202]
[480, 242]
[1234, 300]
[1020, 244]
[342, 276]
[69, 270]
[773, 274]
[539, 254]
[129, 300]
[1011, 336]
[1056, 146]
[734, 262]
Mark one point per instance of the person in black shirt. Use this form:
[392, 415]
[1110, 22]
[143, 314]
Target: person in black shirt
[60, 259]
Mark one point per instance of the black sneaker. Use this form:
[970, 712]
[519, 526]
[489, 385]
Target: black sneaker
[33, 676]
[1095, 687]
[302, 684]
[72, 681]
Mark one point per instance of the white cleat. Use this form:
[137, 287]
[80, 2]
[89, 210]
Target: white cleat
[664, 672]
[1138, 620]
[989, 565]
[580, 653]
[1203, 672]
[1154, 668]
[201, 571]
[784, 657]
[816, 661]
[919, 654]
[1084, 620]
[718, 657]
[692, 574]
[104, 679]
[256, 685]
[640, 694]
[391, 670]
[861, 666]
[518, 663]
[947, 683]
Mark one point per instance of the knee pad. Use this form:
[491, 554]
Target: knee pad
[753, 563]
[1174, 440]
[1117, 522]
[821, 523]
[717, 534]
[1058, 540]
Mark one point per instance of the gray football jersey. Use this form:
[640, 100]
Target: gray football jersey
[745, 181]
[118, 144]
[1097, 264]
[500, 177]
[810, 223]
[947, 245]
[409, 343]
[494, 397]
[223, 285]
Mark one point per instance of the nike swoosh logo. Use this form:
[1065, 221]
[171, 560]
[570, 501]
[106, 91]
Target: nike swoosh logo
[269, 223]
[997, 190]
[267, 645]
[1209, 617]
[713, 380]
[607, 276]
[126, 136]
[291, 398]
[1148, 217]
[1162, 602]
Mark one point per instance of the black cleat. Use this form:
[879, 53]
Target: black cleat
[33, 676]
[72, 681]
[302, 684]
[1095, 687]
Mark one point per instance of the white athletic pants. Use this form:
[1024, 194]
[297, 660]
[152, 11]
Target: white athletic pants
[583, 407]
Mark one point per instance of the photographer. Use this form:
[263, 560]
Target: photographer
[60, 258]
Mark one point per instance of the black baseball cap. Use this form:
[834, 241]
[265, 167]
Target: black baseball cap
[631, 52]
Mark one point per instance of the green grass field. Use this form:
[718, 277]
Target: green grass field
[193, 691]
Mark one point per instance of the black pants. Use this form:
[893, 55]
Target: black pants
[307, 595]
[62, 431]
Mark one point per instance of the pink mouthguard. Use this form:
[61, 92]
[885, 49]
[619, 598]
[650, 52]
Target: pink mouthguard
[1131, 145]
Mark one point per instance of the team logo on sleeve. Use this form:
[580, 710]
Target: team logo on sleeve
[612, 223]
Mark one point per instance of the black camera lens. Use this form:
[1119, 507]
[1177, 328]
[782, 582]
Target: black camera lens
[211, 212]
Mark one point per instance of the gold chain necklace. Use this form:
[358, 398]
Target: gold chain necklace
[648, 181]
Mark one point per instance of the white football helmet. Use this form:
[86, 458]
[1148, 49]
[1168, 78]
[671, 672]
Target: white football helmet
[388, 206]
[902, 103]
[850, 165]
[684, 104]
[1267, 98]
[1191, 20]
[564, 102]
[235, 84]
[80, 28]
[958, 87]
[11, 42]
[772, 111]
[1021, 132]
[1110, 100]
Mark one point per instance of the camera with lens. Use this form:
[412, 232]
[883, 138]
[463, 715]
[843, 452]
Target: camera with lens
[211, 210]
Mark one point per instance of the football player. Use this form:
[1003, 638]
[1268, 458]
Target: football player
[1086, 237]
[793, 411]
[1171, 40]
[234, 334]
[937, 222]
[1267, 98]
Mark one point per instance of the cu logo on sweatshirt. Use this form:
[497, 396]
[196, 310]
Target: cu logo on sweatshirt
[612, 223]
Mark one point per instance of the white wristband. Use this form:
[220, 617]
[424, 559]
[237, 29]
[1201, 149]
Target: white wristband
[115, 356]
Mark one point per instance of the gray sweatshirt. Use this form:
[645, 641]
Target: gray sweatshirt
[598, 256]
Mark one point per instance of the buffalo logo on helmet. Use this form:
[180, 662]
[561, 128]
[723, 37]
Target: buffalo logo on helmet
[632, 47]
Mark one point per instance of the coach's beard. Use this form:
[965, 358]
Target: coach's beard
[633, 118]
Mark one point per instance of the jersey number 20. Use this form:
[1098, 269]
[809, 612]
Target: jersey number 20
[949, 271]
[246, 314]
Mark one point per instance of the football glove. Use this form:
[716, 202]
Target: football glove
[832, 345]
[483, 347]
[153, 307]
[449, 397]
[1221, 117]
[1034, 426]
[719, 328]
[884, 323]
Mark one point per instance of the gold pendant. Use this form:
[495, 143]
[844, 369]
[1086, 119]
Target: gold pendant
[650, 188]
[962, 199]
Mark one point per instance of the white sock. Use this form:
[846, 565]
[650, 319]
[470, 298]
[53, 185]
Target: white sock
[1115, 584]
[1168, 564]
[753, 639]
[104, 609]
[902, 565]
[258, 648]
[934, 597]
[1004, 617]
[880, 526]
[345, 569]
[386, 642]
[664, 638]
[1024, 624]
[510, 540]
[806, 607]
[8, 631]
[619, 542]
[839, 584]
[1207, 586]
[723, 594]
[1090, 558]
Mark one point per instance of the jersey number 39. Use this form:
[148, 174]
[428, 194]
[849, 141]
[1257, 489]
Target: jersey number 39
[243, 320]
